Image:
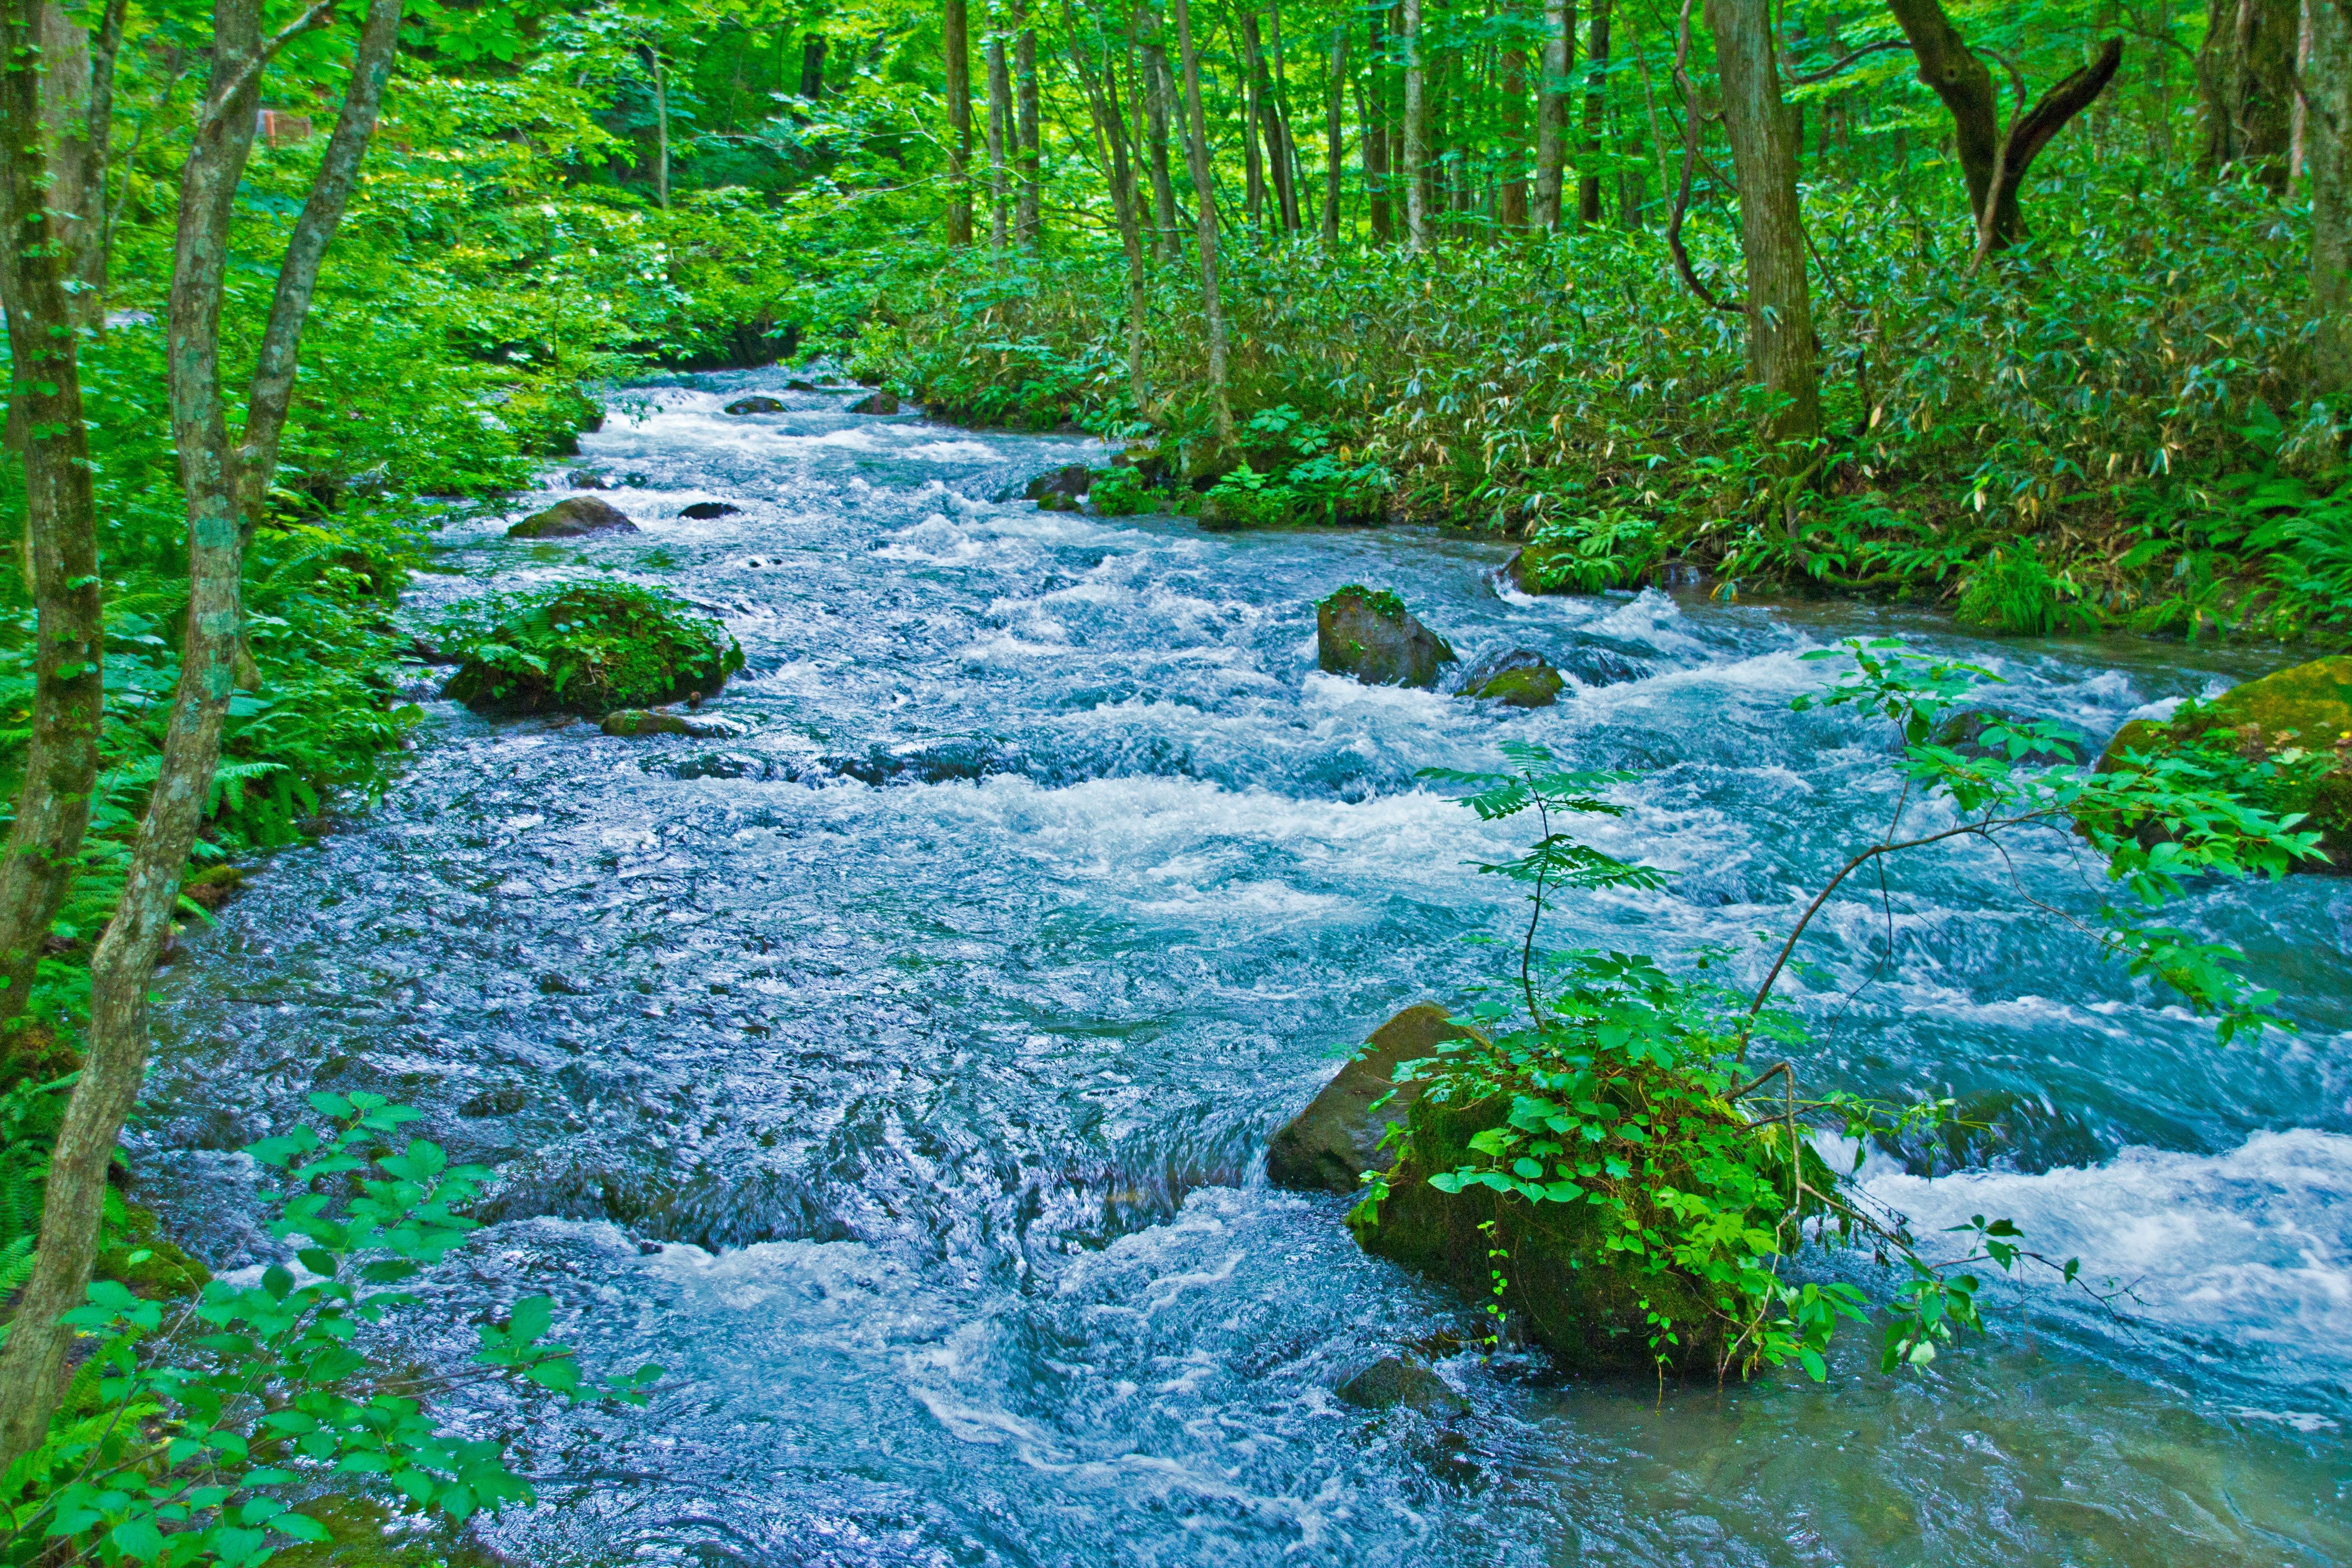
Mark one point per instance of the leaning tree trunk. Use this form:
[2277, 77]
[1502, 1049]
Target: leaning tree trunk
[1204, 197]
[1551, 109]
[1416, 134]
[955, 41]
[1994, 166]
[48, 185]
[2329, 147]
[1763, 134]
[223, 489]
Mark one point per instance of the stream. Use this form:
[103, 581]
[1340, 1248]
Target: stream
[898, 1076]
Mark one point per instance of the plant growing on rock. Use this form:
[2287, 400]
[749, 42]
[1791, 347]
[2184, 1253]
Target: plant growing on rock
[586, 647]
[1647, 1182]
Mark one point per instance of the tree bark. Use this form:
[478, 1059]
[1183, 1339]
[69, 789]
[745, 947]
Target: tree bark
[1159, 97]
[1415, 172]
[1511, 71]
[1029, 211]
[1111, 140]
[1379, 212]
[1269, 119]
[813, 66]
[1000, 115]
[1334, 160]
[2004, 223]
[661, 129]
[2245, 75]
[1551, 109]
[223, 487]
[1596, 112]
[2329, 150]
[1205, 196]
[955, 41]
[1763, 132]
[41, 183]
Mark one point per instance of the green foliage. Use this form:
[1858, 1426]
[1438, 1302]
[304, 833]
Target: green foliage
[584, 646]
[2010, 590]
[184, 1439]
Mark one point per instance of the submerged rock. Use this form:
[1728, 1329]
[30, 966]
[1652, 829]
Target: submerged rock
[1329, 1145]
[703, 511]
[575, 517]
[723, 766]
[799, 385]
[2306, 708]
[882, 402]
[1060, 490]
[1520, 678]
[762, 405]
[626, 721]
[1369, 634]
[1392, 1381]
[586, 479]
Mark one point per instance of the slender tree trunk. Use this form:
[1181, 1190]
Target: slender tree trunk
[1111, 140]
[955, 40]
[2160, 84]
[813, 66]
[661, 129]
[2299, 124]
[1334, 159]
[1551, 109]
[1416, 132]
[1596, 109]
[2329, 149]
[1763, 134]
[1269, 125]
[1512, 74]
[42, 181]
[1029, 222]
[1252, 160]
[999, 116]
[1292, 175]
[223, 489]
[1160, 98]
[1205, 194]
[1379, 144]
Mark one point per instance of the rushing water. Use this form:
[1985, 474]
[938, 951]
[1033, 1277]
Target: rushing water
[898, 1076]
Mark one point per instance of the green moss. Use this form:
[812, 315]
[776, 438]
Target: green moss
[584, 647]
[1537, 685]
[1379, 601]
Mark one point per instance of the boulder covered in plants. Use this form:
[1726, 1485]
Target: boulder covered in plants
[632, 721]
[586, 648]
[743, 405]
[1329, 1146]
[1369, 635]
[574, 517]
[882, 402]
[2295, 725]
[1520, 677]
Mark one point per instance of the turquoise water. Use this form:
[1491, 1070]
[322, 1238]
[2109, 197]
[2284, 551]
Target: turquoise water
[899, 1074]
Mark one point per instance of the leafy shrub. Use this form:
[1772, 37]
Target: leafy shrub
[184, 1441]
[2011, 591]
[584, 647]
[1119, 492]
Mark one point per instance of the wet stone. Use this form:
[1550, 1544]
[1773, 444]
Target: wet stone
[884, 401]
[703, 511]
[1393, 1381]
[742, 406]
[575, 517]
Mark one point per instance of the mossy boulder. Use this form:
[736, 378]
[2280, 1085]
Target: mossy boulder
[627, 721]
[574, 517]
[762, 405]
[1541, 566]
[1520, 678]
[213, 886]
[1369, 635]
[2307, 708]
[584, 647]
[882, 402]
[1329, 1146]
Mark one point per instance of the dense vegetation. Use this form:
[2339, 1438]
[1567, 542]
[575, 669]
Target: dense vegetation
[2004, 308]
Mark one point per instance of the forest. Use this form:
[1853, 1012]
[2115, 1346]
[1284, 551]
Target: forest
[1174, 781]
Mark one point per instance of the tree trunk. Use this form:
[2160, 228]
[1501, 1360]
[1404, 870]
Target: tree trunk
[1158, 102]
[1205, 196]
[1333, 144]
[2245, 75]
[42, 180]
[661, 129]
[1110, 140]
[1295, 216]
[813, 66]
[999, 116]
[1596, 110]
[1379, 213]
[1512, 70]
[955, 40]
[223, 489]
[1269, 125]
[1763, 132]
[1551, 109]
[2329, 149]
[2159, 85]
[1415, 172]
[1252, 160]
[1029, 219]
[1993, 165]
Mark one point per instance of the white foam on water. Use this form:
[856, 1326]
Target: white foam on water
[2254, 1243]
